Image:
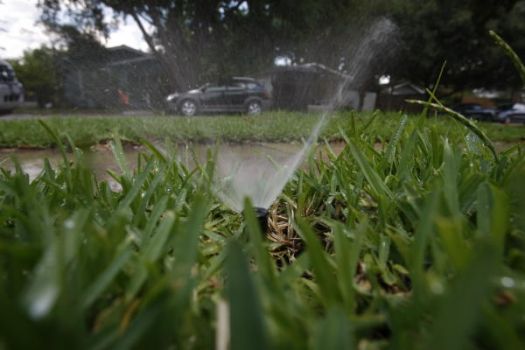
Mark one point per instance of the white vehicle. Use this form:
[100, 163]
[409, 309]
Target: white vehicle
[11, 90]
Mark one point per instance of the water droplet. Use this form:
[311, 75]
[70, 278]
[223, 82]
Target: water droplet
[436, 287]
[69, 224]
[508, 282]
[43, 302]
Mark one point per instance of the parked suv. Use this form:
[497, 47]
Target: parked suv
[476, 111]
[512, 113]
[11, 91]
[236, 95]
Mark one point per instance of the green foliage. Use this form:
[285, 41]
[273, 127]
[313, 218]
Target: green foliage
[205, 39]
[38, 73]
[518, 64]
[456, 32]
[416, 245]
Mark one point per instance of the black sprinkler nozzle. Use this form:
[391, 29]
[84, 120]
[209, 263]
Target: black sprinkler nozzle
[262, 218]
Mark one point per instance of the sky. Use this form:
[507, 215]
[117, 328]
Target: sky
[20, 30]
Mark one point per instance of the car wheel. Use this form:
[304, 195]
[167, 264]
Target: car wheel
[188, 108]
[253, 108]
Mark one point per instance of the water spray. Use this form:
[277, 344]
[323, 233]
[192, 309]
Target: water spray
[254, 177]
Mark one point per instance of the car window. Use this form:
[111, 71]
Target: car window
[6, 74]
[236, 86]
[215, 88]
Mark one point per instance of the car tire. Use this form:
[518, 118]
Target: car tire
[253, 107]
[188, 108]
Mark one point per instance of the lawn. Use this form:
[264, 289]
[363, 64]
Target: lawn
[418, 244]
[271, 127]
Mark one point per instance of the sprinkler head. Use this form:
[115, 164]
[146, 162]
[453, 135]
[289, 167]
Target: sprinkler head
[262, 218]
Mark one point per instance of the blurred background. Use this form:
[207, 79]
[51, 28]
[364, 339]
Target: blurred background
[110, 55]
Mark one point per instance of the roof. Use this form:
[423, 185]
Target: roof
[146, 57]
[243, 78]
[312, 67]
[125, 54]
[405, 88]
[126, 48]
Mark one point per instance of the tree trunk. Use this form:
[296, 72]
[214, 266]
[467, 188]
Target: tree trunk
[172, 75]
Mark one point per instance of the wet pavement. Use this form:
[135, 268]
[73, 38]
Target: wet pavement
[101, 159]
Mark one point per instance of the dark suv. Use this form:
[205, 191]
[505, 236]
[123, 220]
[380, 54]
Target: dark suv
[476, 111]
[236, 95]
[11, 90]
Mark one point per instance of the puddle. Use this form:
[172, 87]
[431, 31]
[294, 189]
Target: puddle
[101, 159]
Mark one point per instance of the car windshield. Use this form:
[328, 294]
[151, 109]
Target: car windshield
[6, 74]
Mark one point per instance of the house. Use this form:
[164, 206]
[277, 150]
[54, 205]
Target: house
[122, 71]
[393, 97]
[313, 86]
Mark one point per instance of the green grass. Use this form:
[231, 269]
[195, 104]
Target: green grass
[270, 127]
[417, 245]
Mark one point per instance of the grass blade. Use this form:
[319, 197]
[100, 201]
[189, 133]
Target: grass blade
[247, 326]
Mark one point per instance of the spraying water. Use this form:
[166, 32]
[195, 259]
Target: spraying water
[261, 176]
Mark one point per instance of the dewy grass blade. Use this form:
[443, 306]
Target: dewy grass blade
[185, 243]
[120, 156]
[424, 230]
[148, 194]
[139, 181]
[493, 214]
[247, 327]
[347, 257]
[392, 145]
[462, 120]
[378, 186]
[321, 267]
[154, 150]
[150, 253]
[102, 282]
[407, 157]
[334, 332]
[456, 314]
[450, 179]
[156, 213]
[520, 67]
[435, 87]
[46, 285]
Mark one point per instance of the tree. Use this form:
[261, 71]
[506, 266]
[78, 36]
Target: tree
[436, 31]
[43, 71]
[197, 40]
[37, 72]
